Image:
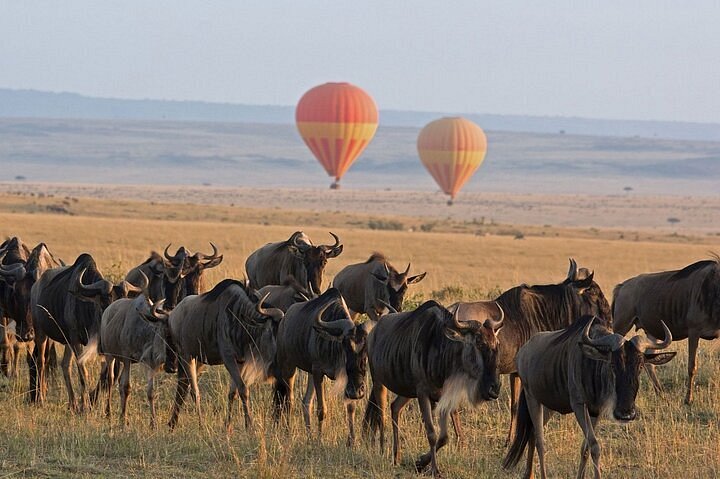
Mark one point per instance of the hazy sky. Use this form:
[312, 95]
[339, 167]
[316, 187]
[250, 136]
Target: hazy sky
[637, 59]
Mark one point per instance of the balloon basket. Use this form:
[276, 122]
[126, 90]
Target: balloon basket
[335, 185]
[450, 202]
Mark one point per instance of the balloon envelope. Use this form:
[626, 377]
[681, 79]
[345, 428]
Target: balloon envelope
[451, 149]
[336, 121]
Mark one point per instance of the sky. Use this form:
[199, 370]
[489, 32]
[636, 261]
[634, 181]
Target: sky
[618, 59]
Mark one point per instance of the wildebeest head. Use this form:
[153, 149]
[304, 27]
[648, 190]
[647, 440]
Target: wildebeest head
[710, 291]
[250, 311]
[314, 258]
[195, 265]
[175, 270]
[125, 289]
[593, 301]
[396, 282]
[626, 358]
[479, 355]
[100, 291]
[158, 317]
[333, 323]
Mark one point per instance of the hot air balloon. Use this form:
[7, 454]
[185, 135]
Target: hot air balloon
[451, 149]
[336, 121]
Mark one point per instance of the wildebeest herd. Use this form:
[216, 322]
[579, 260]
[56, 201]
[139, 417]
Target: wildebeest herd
[563, 345]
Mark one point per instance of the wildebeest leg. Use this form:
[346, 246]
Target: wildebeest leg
[586, 424]
[650, 369]
[307, 402]
[124, 384]
[515, 388]
[232, 396]
[65, 365]
[109, 361]
[350, 406]
[193, 371]
[395, 409]
[237, 386]
[317, 379]
[150, 391]
[425, 459]
[585, 450]
[36, 371]
[536, 416]
[692, 366]
[427, 416]
[183, 384]
[102, 382]
[83, 380]
[457, 426]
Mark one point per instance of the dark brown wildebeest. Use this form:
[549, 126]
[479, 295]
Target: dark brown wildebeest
[16, 281]
[66, 304]
[133, 331]
[154, 270]
[284, 295]
[687, 300]
[531, 309]
[319, 337]
[585, 369]
[366, 286]
[431, 355]
[229, 326]
[297, 256]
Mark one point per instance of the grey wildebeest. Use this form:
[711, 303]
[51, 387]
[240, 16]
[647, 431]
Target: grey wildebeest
[133, 331]
[432, 355]
[368, 286]
[284, 295]
[227, 325]
[319, 337]
[296, 256]
[585, 369]
[66, 304]
[687, 300]
[531, 309]
[153, 268]
[16, 282]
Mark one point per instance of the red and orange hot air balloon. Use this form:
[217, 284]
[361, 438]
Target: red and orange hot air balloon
[451, 149]
[336, 121]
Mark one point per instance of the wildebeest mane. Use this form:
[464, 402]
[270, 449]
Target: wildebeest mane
[690, 269]
[572, 330]
[376, 256]
[220, 288]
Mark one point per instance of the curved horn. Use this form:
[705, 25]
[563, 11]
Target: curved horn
[145, 283]
[649, 343]
[275, 313]
[337, 240]
[203, 256]
[464, 325]
[332, 326]
[167, 255]
[407, 270]
[100, 285]
[572, 271]
[609, 342]
[492, 324]
[158, 312]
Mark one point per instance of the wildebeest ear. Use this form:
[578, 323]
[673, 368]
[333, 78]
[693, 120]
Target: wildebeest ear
[296, 251]
[417, 278]
[659, 358]
[594, 353]
[212, 263]
[582, 284]
[335, 251]
[453, 335]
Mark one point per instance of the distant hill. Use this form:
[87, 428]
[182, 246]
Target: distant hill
[39, 104]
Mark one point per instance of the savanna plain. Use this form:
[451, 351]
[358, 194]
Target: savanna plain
[464, 260]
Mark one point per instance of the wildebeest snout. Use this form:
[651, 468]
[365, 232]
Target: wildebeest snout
[353, 392]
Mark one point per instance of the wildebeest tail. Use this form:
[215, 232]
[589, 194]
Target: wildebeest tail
[374, 411]
[90, 350]
[281, 398]
[524, 431]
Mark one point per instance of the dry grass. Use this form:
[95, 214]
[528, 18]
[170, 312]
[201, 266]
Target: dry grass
[669, 440]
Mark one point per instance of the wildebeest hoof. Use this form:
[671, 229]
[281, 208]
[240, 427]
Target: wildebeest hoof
[422, 463]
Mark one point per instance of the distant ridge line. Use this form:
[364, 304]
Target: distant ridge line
[41, 104]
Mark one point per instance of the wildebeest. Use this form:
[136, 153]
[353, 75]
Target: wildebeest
[432, 355]
[284, 295]
[16, 281]
[366, 286]
[133, 331]
[296, 256]
[531, 309]
[153, 269]
[229, 326]
[687, 300]
[585, 369]
[319, 337]
[66, 304]
[14, 256]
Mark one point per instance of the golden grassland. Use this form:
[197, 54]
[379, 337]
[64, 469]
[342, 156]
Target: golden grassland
[668, 440]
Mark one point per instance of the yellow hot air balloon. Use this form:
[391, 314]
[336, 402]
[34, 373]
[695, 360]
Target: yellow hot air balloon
[451, 149]
[336, 121]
